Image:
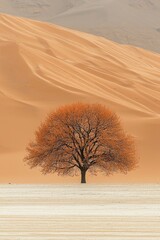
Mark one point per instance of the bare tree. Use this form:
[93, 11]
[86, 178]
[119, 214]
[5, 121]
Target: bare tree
[82, 137]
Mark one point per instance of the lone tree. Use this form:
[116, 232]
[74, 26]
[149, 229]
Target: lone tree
[82, 137]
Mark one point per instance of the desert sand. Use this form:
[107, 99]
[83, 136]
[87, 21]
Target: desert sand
[99, 212]
[134, 22]
[43, 66]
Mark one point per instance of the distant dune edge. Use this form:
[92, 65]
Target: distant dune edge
[134, 22]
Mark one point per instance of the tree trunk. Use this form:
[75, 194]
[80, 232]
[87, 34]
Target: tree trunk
[83, 176]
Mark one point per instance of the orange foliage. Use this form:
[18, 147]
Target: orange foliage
[82, 137]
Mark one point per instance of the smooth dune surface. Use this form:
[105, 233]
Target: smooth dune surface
[43, 66]
[134, 22]
[99, 212]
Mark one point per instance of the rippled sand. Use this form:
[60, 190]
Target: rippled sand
[57, 212]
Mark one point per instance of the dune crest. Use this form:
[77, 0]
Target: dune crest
[43, 66]
[134, 22]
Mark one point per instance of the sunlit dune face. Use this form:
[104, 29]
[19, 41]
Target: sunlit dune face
[44, 66]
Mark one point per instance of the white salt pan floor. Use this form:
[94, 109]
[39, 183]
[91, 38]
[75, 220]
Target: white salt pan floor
[80, 212]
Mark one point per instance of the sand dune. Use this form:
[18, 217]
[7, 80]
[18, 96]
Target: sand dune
[43, 66]
[134, 22]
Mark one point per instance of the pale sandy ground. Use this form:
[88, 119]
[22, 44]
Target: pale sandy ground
[134, 22]
[95, 212]
[43, 66]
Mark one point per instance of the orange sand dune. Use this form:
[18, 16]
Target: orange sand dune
[43, 66]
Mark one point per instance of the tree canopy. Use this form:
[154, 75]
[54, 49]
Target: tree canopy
[82, 137]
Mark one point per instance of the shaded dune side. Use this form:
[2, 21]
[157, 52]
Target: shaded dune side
[43, 66]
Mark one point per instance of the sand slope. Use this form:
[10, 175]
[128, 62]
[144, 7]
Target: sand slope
[133, 22]
[43, 66]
